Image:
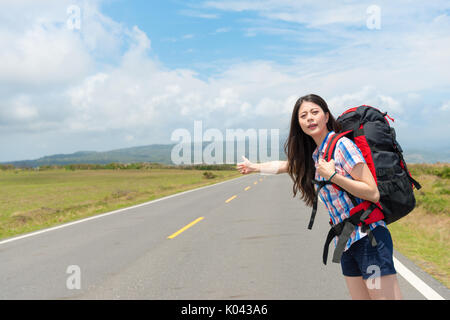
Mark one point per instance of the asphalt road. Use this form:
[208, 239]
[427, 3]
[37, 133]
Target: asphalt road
[253, 246]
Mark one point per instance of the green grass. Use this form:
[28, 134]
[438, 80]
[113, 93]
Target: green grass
[31, 200]
[425, 241]
[441, 170]
[434, 197]
[424, 235]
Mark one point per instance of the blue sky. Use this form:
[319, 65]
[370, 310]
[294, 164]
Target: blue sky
[135, 71]
[186, 34]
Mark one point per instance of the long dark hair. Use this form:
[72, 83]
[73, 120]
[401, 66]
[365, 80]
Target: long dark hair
[299, 148]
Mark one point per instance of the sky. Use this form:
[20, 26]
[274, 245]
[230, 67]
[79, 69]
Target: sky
[107, 74]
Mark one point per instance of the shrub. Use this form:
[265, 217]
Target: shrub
[209, 175]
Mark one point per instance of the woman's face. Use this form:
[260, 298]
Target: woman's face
[312, 119]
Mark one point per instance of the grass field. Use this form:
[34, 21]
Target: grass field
[32, 200]
[424, 235]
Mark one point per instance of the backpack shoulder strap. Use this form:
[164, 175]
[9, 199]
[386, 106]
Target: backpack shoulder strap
[331, 147]
[328, 155]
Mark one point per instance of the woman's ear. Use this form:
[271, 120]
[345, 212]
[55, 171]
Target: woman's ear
[327, 114]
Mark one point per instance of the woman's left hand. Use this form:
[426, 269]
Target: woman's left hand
[326, 169]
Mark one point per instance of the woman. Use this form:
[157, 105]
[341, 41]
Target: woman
[311, 127]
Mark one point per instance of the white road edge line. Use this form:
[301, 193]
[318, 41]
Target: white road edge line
[112, 212]
[416, 282]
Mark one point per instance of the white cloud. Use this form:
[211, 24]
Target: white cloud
[38, 56]
[22, 109]
[40, 51]
[368, 96]
[223, 30]
[314, 14]
[198, 14]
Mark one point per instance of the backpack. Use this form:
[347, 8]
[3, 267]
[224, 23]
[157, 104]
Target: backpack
[369, 129]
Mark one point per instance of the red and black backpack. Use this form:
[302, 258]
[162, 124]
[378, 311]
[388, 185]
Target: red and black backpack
[369, 129]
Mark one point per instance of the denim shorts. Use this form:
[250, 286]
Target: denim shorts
[361, 259]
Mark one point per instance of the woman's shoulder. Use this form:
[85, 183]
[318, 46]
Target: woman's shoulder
[346, 143]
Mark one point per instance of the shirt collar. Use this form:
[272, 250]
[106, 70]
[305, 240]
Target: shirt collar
[320, 150]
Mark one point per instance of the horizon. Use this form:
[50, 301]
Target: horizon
[409, 152]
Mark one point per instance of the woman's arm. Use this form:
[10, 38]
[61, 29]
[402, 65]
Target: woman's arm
[363, 186]
[270, 167]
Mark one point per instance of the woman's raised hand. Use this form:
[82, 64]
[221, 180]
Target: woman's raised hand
[246, 166]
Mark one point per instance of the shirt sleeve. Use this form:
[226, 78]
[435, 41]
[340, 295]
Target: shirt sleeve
[348, 154]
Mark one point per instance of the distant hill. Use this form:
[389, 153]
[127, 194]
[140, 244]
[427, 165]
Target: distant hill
[153, 153]
[161, 153]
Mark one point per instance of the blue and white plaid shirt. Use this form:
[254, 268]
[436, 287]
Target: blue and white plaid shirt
[346, 156]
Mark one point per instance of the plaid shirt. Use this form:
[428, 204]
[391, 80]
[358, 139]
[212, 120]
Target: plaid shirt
[346, 156]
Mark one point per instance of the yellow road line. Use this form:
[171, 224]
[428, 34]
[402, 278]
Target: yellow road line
[228, 200]
[246, 188]
[184, 228]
